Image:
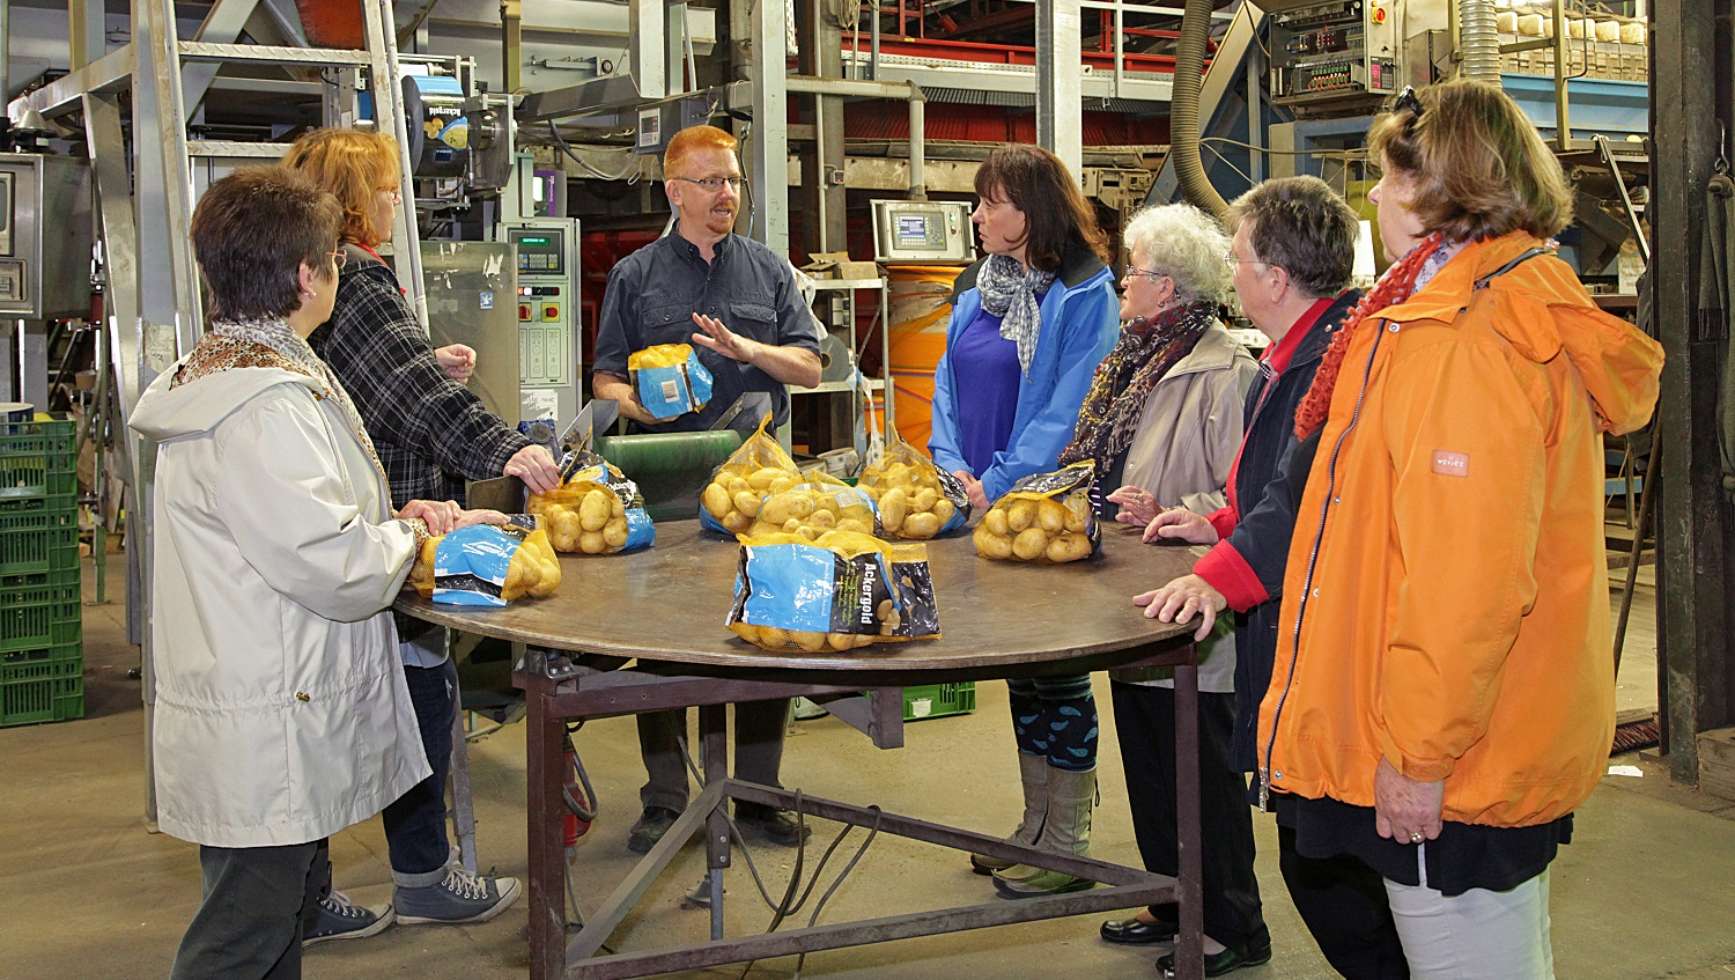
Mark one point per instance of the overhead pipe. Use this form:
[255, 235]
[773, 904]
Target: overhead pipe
[1184, 131]
[1479, 41]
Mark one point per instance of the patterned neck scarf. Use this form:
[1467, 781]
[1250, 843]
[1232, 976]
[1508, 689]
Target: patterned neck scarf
[1009, 292]
[1108, 421]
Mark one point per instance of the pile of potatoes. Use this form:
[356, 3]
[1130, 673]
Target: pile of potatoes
[814, 508]
[911, 502]
[1023, 528]
[736, 491]
[780, 640]
[583, 518]
[533, 571]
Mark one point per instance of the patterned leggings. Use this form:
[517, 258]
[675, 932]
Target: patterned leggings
[1055, 717]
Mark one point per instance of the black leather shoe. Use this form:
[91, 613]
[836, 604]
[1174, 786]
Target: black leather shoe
[1136, 932]
[1217, 964]
[774, 825]
[650, 828]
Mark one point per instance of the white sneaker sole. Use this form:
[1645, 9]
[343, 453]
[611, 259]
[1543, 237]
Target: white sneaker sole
[379, 925]
[507, 897]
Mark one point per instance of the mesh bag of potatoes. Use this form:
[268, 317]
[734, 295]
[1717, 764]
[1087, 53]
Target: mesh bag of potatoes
[487, 565]
[597, 511]
[916, 499]
[818, 504]
[669, 379]
[1045, 517]
[729, 503]
[844, 591]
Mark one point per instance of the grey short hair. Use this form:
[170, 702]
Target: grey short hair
[1302, 226]
[1185, 244]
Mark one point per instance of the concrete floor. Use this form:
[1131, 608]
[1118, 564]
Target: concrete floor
[1643, 892]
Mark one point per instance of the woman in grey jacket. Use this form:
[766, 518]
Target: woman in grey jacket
[282, 715]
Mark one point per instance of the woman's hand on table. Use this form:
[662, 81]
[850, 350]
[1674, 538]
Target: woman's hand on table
[535, 467]
[973, 488]
[457, 360]
[1180, 524]
[439, 515]
[1180, 600]
[1137, 506]
[1406, 810]
[471, 518]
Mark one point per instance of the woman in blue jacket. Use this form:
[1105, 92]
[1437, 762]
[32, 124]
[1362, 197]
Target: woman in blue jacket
[1029, 324]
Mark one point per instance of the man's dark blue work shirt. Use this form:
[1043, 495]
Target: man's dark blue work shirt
[654, 292]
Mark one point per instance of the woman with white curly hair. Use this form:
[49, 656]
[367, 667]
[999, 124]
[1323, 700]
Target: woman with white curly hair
[1163, 420]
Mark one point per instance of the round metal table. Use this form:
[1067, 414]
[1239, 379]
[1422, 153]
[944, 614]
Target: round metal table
[664, 610]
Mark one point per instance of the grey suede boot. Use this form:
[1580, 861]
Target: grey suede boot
[1066, 831]
[1033, 773]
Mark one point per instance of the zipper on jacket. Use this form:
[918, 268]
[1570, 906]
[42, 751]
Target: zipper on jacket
[1312, 564]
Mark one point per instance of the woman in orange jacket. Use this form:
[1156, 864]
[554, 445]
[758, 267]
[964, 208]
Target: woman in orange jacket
[1443, 697]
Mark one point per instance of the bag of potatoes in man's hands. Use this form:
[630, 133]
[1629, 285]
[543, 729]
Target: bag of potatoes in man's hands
[917, 500]
[487, 564]
[818, 504]
[669, 379]
[597, 511]
[729, 503]
[1045, 517]
[844, 591]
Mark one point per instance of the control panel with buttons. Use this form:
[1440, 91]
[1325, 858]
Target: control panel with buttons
[547, 257]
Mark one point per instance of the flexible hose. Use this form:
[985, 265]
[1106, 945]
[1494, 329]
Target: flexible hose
[1184, 110]
[1478, 41]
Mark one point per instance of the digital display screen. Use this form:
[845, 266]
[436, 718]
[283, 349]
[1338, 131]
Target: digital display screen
[915, 229]
[539, 253]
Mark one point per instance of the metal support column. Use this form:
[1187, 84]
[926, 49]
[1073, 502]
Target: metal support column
[768, 146]
[85, 33]
[511, 43]
[822, 57]
[1690, 68]
[647, 27]
[1059, 92]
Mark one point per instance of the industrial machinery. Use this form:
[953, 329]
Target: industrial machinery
[1344, 54]
[547, 307]
[923, 231]
[470, 291]
[44, 272]
[461, 138]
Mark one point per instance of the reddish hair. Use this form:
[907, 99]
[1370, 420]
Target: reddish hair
[695, 139]
[352, 164]
[1393, 288]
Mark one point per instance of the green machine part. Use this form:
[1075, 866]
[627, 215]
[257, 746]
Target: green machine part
[670, 468]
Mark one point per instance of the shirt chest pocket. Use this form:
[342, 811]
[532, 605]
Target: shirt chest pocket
[666, 325]
[756, 320]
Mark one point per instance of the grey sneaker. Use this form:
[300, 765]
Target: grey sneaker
[462, 897]
[339, 918]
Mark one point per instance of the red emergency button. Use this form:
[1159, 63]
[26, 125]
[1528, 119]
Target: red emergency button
[551, 312]
[1379, 15]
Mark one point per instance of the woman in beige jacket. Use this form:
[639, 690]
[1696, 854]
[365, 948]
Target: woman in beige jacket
[1163, 420]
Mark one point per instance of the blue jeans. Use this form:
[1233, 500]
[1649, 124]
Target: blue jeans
[416, 822]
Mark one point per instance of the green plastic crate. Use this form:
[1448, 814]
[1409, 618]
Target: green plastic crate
[939, 700]
[14, 581]
[60, 503]
[38, 541]
[42, 616]
[38, 459]
[41, 685]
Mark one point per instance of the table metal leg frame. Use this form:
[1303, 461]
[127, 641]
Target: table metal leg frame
[552, 956]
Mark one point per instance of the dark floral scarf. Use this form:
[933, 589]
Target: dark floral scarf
[1146, 352]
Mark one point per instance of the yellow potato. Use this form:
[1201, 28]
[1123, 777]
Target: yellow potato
[593, 510]
[1030, 544]
[1020, 515]
[991, 545]
[897, 474]
[550, 579]
[827, 503]
[995, 521]
[801, 503]
[851, 524]
[775, 510]
[1051, 516]
[614, 534]
[921, 526]
[1059, 550]
[747, 503]
[783, 483]
[616, 506]
[893, 506]
[716, 500]
[746, 631]
[773, 637]
[1075, 517]
[822, 519]
[737, 522]
[808, 531]
[761, 479]
[592, 543]
[808, 641]
[736, 484]
[792, 525]
[944, 509]
[925, 499]
[1078, 546]
[840, 641]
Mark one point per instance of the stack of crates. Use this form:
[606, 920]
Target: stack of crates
[41, 640]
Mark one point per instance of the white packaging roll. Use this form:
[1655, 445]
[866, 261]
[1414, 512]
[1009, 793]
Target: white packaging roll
[1608, 31]
[1535, 25]
[1576, 28]
[1633, 33]
[1506, 22]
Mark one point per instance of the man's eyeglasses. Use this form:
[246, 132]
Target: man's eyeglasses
[715, 184]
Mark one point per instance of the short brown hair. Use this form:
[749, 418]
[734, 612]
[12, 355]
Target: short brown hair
[1480, 168]
[1301, 226]
[253, 231]
[1056, 213]
[352, 164]
[692, 140]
